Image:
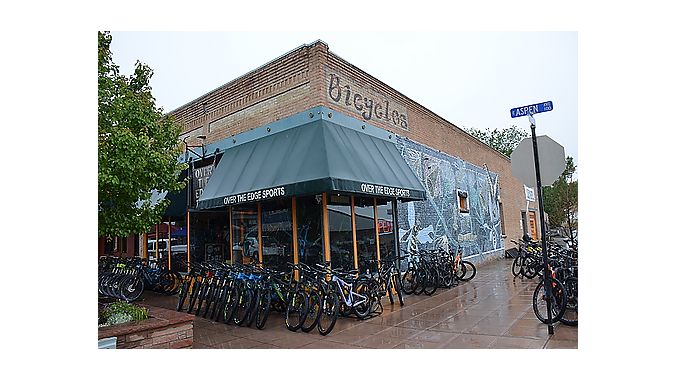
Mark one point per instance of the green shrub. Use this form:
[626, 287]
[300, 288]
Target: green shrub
[122, 312]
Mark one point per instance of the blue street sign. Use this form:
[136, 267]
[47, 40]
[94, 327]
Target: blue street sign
[532, 109]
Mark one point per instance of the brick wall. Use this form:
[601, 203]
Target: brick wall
[165, 329]
[426, 127]
[280, 88]
[302, 79]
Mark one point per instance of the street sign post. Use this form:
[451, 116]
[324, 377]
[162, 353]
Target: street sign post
[522, 168]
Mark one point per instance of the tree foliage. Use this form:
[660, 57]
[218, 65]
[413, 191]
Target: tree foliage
[137, 148]
[502, 140]
[560, 199]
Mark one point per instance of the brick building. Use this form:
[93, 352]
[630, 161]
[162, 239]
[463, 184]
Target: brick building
[293, 162]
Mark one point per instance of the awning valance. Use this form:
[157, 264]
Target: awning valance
[316, 157]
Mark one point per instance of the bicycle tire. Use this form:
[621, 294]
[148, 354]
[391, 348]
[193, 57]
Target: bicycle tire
[569, 317]
[208, 297]
[408, 281]
[204, 288]
[517, 266]
[176, 281]
[296, 311]
[182, 294]
[363, 309]
[230, 304]
[420, 282]
[314, 311]
[196, 285]
[132, 288]
[115, 287]
[530, 268]
[251, 318]
[329, 314]
[470, 270]
[216, 300]
[432, 281]
[243, 307]
[558, 304]
[263, 310]
[446, 276]
[389, 286]
[396, 280]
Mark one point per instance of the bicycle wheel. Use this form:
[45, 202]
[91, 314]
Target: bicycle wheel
[182, 293]
[296, 310]
[363, 306]
[218, 302]
[314, 310]
[396, 281]
[230, 304]
[176, 281]
[131, 288]
[517, 266]
[420, 281]
[329, 313]
[408, 281]
[193, 295]
[432, 281]
[388, 285]
[263, 310]
[208, 297]
[251, 318]
[243, 307]
[558, 301]
[204, 288]
[446, 276]
[530, 268]
[569, 317]
[470, 271]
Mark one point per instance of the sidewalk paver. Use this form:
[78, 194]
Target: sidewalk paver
[492, 311]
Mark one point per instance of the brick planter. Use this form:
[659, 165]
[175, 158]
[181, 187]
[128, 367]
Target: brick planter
[163, 329]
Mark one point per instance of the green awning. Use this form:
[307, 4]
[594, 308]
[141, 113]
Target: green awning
[316, 157]
[178, 200]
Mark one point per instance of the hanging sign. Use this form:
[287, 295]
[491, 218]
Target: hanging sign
[530, 193]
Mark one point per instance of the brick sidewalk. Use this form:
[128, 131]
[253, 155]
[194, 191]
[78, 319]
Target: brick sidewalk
[493, 310]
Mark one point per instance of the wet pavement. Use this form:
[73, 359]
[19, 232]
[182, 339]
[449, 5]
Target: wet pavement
[493, 310]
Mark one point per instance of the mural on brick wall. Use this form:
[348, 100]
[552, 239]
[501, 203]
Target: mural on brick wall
[439, 220]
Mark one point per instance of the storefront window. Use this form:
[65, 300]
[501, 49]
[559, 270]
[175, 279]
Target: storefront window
[245, 233]
[340, 232]
[366, 234]
[309, 222]
[179, 244]
[209, 238]
[277, 234]
[157, 243]
[386, 231]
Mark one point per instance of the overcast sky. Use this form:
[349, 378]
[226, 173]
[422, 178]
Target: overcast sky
[471, 79]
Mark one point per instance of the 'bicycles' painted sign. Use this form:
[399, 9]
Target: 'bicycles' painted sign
[532, 109]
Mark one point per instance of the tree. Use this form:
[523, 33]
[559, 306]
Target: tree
[502, 140]
[137, 149]
[560, 199]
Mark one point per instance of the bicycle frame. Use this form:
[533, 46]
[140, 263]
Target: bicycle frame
[347, 287]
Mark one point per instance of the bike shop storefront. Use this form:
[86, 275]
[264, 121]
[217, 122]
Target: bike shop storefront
[316, 192]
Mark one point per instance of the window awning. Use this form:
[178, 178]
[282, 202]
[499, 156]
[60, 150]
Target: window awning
[316, 157]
